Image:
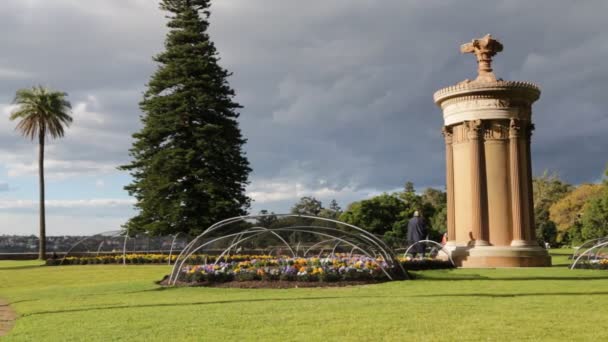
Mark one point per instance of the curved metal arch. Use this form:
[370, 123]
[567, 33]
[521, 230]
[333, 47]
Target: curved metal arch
[99, 248]
[599, 252]
[602, 245]
[187, 248]
[442, 248]
[316, 244]
[362, 238]
[175, 271]
[333, 250]
[234, 244]
[112, 232]
[344, 241]
[69, 250]
[591, 243]
[124, 248]
[171, 248]
[176, 268]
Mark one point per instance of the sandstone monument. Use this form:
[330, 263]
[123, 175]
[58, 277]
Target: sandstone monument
[487, 129]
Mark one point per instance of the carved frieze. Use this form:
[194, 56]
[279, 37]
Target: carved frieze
[489, 131]
[496, 131]
[459, 134]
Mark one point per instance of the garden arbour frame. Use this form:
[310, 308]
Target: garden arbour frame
[356, 238]
[591, 249]
[121, 239]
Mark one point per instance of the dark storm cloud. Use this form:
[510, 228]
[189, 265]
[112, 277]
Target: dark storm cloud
[336, 94]
[343, 91]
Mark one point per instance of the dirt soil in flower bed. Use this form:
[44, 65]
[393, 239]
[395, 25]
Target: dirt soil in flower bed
[275, 284]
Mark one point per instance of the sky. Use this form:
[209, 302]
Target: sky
[336, 95]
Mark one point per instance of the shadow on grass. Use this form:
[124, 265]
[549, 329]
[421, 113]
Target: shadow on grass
[450, 277]
[240, 301]
[7, 268]
[23, 301]
[236, 301]
[514, 295]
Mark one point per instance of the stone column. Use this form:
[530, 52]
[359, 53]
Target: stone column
[530, 204]
[449, 165]
[477, 205]
[519, 226]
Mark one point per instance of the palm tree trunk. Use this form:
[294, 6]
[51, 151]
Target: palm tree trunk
[42, 246]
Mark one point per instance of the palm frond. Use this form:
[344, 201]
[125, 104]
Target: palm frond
[42, 112]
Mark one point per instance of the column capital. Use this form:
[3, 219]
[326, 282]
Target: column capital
[515, 128]
[474, 129]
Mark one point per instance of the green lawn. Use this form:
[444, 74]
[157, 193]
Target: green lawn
[114, 303]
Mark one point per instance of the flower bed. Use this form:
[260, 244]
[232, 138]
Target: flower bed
[340, 268]
[202, 259]
[327, 270]
[601, 264]
[146, 259]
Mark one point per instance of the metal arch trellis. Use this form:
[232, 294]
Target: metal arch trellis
[360, 235]
[111, 234]
[588, 244]
[119, 240]
[596, 247]
[258, 231]
[236, 238]
[255, 231]
[171, 248]
[225, 222]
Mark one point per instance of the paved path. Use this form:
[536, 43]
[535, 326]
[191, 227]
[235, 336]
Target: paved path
[7, 317]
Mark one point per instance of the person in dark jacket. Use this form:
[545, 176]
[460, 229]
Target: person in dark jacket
[416, 231]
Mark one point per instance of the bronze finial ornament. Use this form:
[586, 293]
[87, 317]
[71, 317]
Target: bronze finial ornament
[484, 49]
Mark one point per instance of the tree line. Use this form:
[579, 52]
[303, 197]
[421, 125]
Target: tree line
[385, 215]
[564, 214]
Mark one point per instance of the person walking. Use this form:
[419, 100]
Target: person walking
[416, 231]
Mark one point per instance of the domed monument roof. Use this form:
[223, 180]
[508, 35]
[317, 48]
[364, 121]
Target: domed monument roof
[486, 82]
[485, 97]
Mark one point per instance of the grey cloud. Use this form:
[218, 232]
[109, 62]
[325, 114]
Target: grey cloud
[339, 91]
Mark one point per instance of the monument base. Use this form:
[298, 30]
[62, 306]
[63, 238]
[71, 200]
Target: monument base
[499, 256]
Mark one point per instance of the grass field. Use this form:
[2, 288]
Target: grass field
[122, 303]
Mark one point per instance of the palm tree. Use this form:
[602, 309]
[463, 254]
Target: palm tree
[42, 113]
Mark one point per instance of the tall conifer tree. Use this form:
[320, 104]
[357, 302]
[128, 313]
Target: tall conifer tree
[188, 168]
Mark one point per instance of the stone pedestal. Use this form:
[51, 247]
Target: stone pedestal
[487, 130]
